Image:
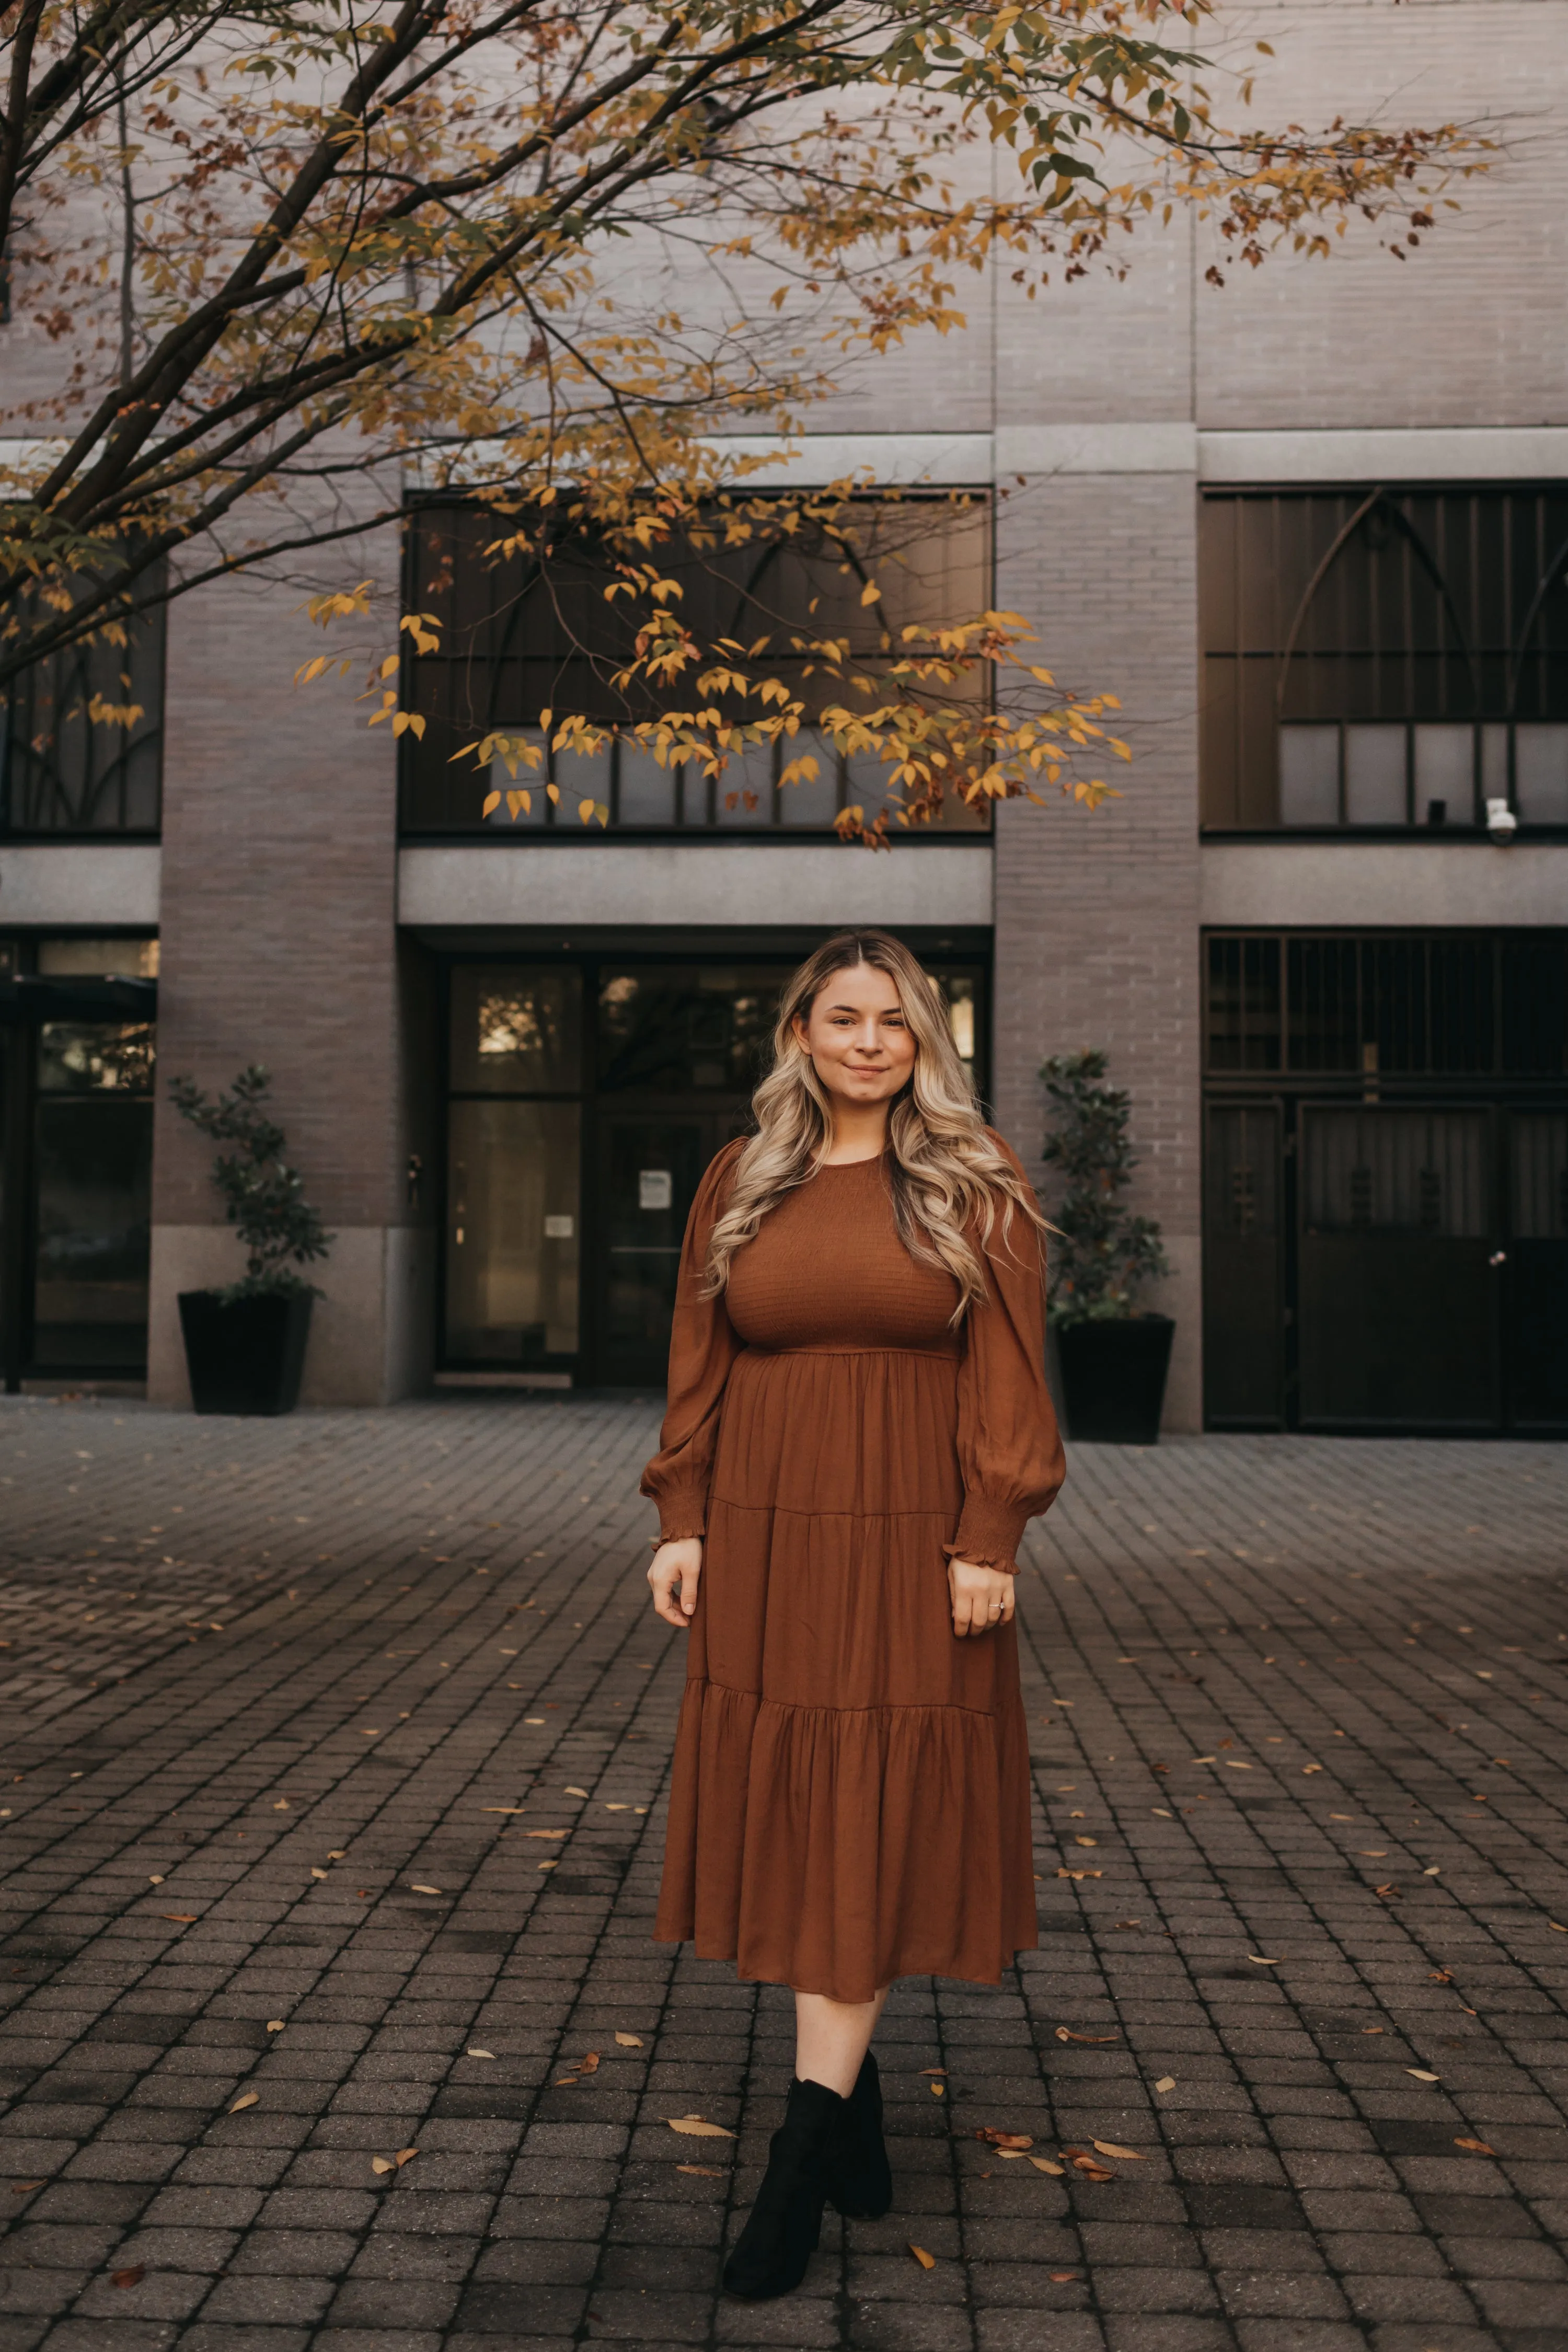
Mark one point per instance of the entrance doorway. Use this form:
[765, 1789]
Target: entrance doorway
[1388, 1252]
[77, 1056]
[586, 1094]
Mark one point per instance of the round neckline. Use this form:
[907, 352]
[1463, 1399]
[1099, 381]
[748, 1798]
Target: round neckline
[842, 1167]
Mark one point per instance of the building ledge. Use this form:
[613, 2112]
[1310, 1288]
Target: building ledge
[685, 884]
[1417, 884]
[113, 883]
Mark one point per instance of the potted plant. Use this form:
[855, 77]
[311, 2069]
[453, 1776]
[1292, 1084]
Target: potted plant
[1113, 1356]
[245, 1344]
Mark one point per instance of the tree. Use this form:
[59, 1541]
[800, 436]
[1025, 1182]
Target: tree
[295, 253]
[1104, 1255]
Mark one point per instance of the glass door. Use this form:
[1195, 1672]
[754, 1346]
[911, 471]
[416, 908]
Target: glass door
[92, 1175]
[513, 1167]
[650, 1165]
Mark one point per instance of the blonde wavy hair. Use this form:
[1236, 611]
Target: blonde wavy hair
[947, 1178]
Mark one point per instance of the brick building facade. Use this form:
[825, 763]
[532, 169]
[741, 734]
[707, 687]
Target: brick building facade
[305, 919]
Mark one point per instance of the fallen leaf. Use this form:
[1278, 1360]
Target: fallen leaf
[1080, 1873]
[132, 2277]
[1235, 1764]
[417, 1889]
[1372, 2029]
[618, 1808]
[1422, 2076]
[154, 1880]
[926, 2261]
[1083, 1840]
[694, 2128]
[1128, 2155]
[338, 1853]
[1018, 2141]
[933, 2070]
[576, 1793]
[1435, 1869]
[545, 1833]
[1205, 1759]
[629, 2041]
[25, 2188]
[1260, 1962]
[503, 1808]
[1166, 2083]
[1063, 2034]
[1044, 2164]
[547, 1866]
[1094, 2171]
[275, 2025]
[281, 1806]
[700, 2171]
[1372, 1853]
[1445, 1976]
[589, 2062]
[319, 1873]
[1386, 1890]
[938, 2090]
[1311, 1767]
[382, 2163]
[182, 1918]
[479, 2053]
[1476, 2147]
[1556, 1924]
[246, 2099]
[406, 2155]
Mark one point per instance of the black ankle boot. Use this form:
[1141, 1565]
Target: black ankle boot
[859, 2177]
[781, 2230]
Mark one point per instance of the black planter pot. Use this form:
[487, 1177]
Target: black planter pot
[244, 1355]
[1113, 1378]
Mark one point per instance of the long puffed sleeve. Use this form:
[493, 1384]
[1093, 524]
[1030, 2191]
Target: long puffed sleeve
[1009, 1450]
[702, 1347]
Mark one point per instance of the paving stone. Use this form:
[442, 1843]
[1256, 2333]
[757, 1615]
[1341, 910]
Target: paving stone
[434, 1572]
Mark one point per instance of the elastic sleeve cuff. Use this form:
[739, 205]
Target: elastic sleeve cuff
[681, 1515]
[989, 1532]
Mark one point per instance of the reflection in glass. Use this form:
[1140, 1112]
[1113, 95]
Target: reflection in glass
[93, 1143]
[98, 959]
[674, 1028]
[1374, 775]
[515, 1029]
[1309, 775]
[511, 1232]
[1446, 772]
[647, 791]
[812, 800]
[1540, 773]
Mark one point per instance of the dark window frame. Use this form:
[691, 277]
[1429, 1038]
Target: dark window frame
[698, 800]
[72, 675]
[1459, 593]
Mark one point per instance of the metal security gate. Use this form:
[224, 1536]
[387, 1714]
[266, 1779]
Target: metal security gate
[1399, 1266]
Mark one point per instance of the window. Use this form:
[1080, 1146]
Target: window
[1401, 1005]
[1383, 658]
[82, 736]
[515, 643]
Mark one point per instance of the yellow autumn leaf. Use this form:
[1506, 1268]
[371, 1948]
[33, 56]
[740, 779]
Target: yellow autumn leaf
[629, 2041]
[406, 2155]
[246, 2099]
[479, 2053]
[1166, 2083]
[926, 2261]
[695, 2128]
[1044, 2164]
[576, 1793]
[1109, 2148]
[275, 2025]
[382, 2163]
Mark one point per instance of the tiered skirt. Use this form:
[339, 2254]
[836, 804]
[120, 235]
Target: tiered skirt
[850, 1801]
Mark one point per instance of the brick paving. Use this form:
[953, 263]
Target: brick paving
[271, 1688]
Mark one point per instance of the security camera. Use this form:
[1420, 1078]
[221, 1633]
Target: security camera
[1502, 822]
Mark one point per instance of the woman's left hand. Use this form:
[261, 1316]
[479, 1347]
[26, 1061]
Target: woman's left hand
[982, 1597]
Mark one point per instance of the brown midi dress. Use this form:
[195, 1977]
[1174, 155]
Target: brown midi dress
[850, 1801]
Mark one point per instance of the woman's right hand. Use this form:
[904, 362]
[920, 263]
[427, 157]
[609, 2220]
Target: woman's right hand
[673, 1576]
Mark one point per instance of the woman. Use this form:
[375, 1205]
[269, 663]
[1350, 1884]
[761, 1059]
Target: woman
[857, 1399]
